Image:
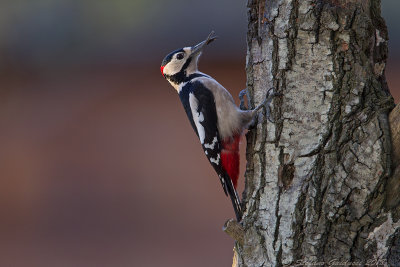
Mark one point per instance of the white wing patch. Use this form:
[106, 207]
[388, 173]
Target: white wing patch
[216, 160]
[212, 145]
[197, 117]
[222, 181]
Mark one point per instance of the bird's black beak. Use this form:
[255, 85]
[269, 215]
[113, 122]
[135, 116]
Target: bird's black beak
[199, 47]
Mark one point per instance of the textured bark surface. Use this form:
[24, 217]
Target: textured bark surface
[319, 185]
[394, 120]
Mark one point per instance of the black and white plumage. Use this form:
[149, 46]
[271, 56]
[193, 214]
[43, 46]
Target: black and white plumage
[211, 110]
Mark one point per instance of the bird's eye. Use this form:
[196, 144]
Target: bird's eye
[179, 56]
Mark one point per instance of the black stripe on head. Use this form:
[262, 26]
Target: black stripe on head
[181, 76]
[168, 58]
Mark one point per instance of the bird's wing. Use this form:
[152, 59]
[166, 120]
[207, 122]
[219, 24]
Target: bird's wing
[205, 124]
[202, 113]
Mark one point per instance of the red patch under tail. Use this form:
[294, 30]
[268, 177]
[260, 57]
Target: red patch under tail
[230, 158]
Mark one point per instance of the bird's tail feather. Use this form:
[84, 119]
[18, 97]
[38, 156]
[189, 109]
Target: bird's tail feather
[234, 198]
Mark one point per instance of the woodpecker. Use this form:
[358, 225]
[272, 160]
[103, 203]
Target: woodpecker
[213, 114]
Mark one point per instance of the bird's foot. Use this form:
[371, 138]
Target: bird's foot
[267, 102]
[242, 105]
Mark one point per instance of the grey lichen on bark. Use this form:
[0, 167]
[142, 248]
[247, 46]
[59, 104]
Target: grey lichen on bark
[317, 178]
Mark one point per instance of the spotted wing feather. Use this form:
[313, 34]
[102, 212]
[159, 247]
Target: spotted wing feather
[201, 110]
[200, 107]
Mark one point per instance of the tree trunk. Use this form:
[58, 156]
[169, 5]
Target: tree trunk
[319, 185]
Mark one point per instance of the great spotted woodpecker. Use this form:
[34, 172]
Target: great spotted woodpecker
[211, 110]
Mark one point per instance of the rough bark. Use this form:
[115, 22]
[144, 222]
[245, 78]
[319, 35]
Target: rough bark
[394, 120]
[319, 183]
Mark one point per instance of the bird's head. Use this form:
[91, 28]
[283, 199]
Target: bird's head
[179, 64]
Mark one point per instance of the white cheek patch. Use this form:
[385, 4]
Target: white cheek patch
[172, 67]
[197, 117]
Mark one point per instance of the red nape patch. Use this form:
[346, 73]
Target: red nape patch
[230, 158]
[162, 70]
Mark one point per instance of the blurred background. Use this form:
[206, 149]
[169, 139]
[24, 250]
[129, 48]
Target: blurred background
[98, 163]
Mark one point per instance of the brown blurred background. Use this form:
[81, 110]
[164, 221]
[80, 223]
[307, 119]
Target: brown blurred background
[98, 163]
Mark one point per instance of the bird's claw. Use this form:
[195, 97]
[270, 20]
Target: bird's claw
[242, 105]
[267, 102]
